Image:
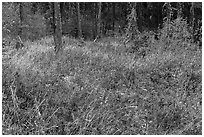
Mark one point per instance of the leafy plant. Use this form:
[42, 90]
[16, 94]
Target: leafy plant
[175, 34]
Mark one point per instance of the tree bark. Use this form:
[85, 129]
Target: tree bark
[20, 31]
[99, 21]
[133, 30]
[192, 15]
[179, 8]
[57, 28]
[113, 8]
[79, 21]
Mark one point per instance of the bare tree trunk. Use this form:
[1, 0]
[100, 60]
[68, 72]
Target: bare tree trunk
[20, 31]
[95, 22]
[179, 13]
[132, 30]
[99, 21]
[19, 43]
[57, 28]
[113, 10]
[169, 17]
[79, 21]
[192, 16]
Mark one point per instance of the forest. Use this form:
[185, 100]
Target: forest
[101, 68]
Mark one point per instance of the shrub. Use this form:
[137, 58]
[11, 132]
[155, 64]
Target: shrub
[175, 35]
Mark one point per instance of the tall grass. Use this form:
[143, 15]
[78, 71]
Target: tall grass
[101, 88]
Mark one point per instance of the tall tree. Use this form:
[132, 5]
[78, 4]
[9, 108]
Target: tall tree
[79, 21]
[179, 9]
[113, 10]
[21, 19]
[99, 20]
[167, 7]
[192, 16]
[57, 28]
[132, 29]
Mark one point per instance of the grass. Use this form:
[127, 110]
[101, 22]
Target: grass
[100, 88]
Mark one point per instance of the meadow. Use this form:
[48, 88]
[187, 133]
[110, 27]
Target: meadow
[102, 88]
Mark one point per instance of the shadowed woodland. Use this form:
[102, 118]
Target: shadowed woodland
[101, 68]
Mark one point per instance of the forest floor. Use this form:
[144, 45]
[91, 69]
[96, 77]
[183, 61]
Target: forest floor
[101, 88]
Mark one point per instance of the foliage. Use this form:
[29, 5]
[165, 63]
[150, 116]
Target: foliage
[197, 35]
[127, 15]
[176, 32]
[150, 85]
[91, 90]
[132, 27]
[10, 19]
[34, 28]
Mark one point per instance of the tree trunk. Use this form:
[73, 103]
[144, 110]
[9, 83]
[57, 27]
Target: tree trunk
[79, 21]
[20, 31]
[192, 15]
[132, 30]
[95, 21]
[99, 21]
[62, 11]
[179, 12]
[57, 28]
[113, 27]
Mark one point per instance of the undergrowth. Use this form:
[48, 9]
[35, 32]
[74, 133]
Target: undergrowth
[102, 88]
